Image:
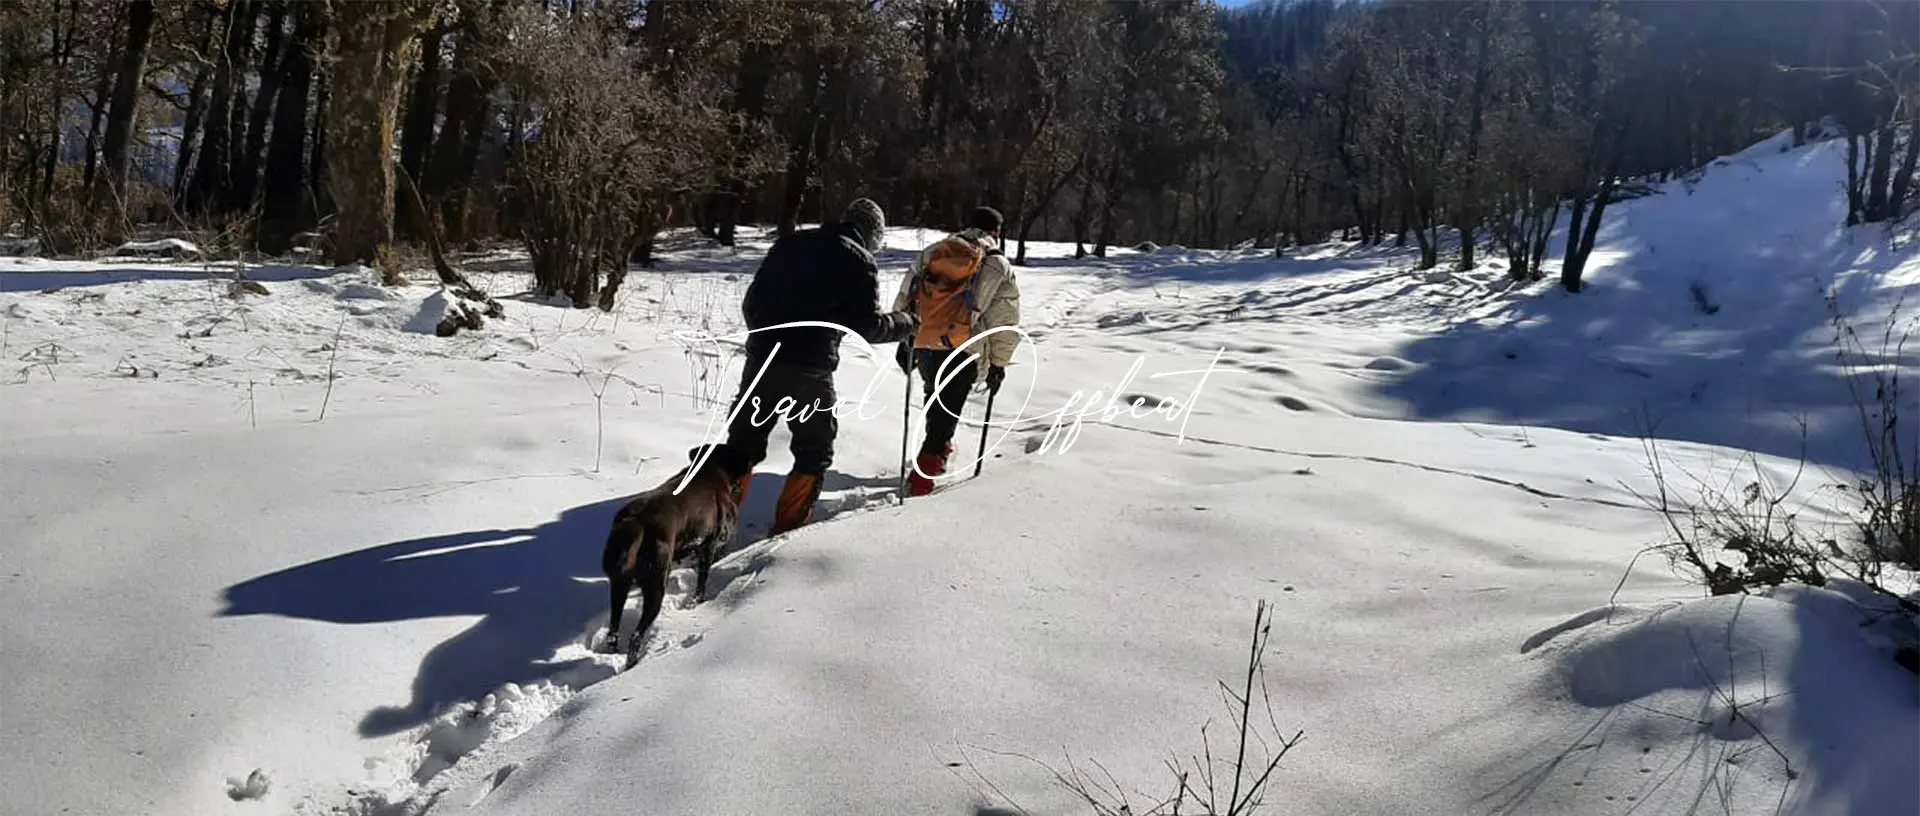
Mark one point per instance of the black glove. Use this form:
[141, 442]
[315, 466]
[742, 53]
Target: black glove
[894, 326]
[995, 376]
[903, 357]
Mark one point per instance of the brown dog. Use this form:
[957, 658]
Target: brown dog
[656, 529]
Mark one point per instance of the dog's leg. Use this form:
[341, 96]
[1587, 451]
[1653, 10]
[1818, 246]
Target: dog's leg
[704, 566]
[616, 562]
[651, 573]
[618, 586]
[708, 549]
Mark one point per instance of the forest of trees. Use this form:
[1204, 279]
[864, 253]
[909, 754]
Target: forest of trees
[579, 129]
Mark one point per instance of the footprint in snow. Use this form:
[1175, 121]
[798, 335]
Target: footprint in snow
[1388, 364]
[1145, 401]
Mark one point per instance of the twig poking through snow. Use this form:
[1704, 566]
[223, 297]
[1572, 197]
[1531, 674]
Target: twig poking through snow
[600, 419]
[331, 357]
[1198, 785]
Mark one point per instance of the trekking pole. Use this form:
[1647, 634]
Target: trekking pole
[985, 423]
[906, 426]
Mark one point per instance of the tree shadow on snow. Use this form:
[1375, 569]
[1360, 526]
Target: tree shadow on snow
[1738, 362]
[103, 274]
[536, 589]
[1852, 721]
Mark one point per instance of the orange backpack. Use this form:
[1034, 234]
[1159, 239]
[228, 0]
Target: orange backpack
[943, 297]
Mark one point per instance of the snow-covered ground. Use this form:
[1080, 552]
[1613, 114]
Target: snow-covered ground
[296, 533]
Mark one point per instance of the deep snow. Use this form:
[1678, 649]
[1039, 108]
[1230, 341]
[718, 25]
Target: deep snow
[295, 533]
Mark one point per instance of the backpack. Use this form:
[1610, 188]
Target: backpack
[943, 296]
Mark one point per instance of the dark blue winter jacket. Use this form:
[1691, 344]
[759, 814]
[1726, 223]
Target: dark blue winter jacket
[821, 274]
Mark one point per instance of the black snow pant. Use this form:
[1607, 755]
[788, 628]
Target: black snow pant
[943, 412]
[802, 397]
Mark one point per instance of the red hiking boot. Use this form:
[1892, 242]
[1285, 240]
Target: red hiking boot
[930, 464]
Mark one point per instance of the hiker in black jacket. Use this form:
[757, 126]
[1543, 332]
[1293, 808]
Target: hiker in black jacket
[827, 275]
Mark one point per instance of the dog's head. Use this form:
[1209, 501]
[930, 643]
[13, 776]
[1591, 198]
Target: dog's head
[727, 462]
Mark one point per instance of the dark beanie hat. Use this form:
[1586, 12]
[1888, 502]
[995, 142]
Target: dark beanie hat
[866, 218]
[985, 218]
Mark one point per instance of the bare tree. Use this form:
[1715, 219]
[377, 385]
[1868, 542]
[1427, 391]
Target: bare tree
[614, 142]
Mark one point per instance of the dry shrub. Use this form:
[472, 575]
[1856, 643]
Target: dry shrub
[1733, 537]
[67, 227]
[1888, 494]
[146, 202]
[608, 143]
[71, 223]
[1738, 537]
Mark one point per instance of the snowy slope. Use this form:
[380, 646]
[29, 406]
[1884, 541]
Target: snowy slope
[1757, 234]
[385, 608]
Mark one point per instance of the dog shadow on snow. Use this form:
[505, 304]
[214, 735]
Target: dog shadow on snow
[536, 589]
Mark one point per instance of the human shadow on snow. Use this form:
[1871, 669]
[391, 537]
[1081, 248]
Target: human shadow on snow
[535, 588]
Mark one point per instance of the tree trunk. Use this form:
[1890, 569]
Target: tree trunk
[1581, 246]
[247, 171]
[1856, 197]
[126, 89]
[369, 73]
[63, 42]
[1903, 180]
[1608, 141]
[459, 208]
[102, 88]
[416, 132]
[196, 113]
[1425, 232]
[749, 102]
[454, 158]
[1109, 200]
[1044, 204]
[1083, 215]
[317, 187]
[1880, 174]
[284, 212]
[211, 170]
[239, 108]
[800, 157]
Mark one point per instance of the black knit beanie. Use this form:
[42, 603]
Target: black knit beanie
[867, 219]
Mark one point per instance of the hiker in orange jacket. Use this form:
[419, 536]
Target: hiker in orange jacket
[959, 287]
